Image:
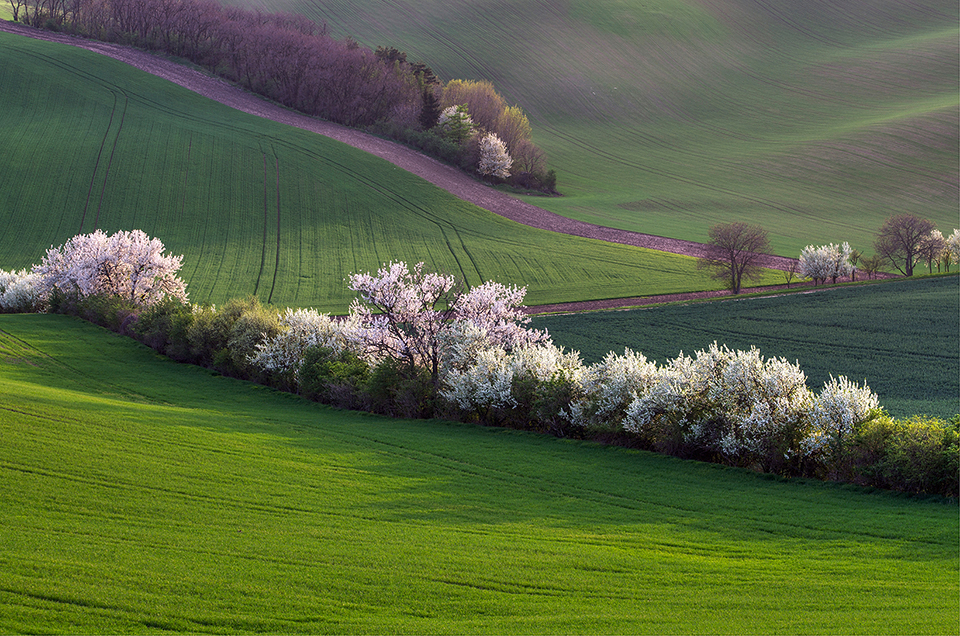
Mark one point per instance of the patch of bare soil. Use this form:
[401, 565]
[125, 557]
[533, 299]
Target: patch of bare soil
[443, 176]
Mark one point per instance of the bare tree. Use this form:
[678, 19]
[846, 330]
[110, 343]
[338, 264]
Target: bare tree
[791, 272]
[733, 252]
[899, 241]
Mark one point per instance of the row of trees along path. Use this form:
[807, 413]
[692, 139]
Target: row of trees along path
[446, 177]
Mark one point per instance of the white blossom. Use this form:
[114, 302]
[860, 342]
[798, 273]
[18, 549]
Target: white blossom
[302, 329]
[127, 264]
[20, 292]
[826, 261]
[837, 412]
[494, 158]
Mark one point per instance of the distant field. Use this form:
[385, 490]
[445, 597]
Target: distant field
[256, 207]
[814, 118]
[902, 337]
[143, 496]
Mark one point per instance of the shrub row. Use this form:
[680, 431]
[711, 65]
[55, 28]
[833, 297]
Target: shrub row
[473, 361]
[730, 407]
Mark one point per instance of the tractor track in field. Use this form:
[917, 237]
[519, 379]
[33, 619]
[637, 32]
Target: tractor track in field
[443, 176]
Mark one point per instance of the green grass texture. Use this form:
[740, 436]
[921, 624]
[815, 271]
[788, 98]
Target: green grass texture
[256, 207]
[813, 118]
[901, 337]
[142, 496]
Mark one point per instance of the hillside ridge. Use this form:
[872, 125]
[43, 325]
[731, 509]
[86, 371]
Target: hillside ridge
[443, 176]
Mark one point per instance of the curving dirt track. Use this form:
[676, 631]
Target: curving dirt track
[450, 179]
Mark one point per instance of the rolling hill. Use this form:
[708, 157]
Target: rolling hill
[144, 496]
[814, 118]
[257, 207]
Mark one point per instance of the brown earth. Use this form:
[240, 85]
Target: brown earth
[443, 176]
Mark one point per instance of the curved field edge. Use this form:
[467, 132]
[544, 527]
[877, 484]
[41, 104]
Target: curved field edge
[145, 495]
[815, 119]
[257, 207]
[902, 338]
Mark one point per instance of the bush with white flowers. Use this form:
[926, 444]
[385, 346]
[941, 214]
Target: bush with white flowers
[495, 161]
[130, 265]
[826, 261]
[20, 292]
[302, 329]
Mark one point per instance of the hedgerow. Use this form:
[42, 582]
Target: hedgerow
[417, 345]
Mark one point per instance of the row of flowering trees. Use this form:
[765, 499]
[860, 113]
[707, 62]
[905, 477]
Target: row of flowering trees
[903, 248]
[417, 343]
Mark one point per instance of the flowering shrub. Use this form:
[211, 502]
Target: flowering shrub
[300, 329]
[836, 415]
[519, 386]
[610, 387]
[734, 405]
[19, 292]
[826, 261]
[495, 161]
[130, 265]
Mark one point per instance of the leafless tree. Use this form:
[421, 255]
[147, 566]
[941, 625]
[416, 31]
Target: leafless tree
[899, 241]
[733, 252]
[871, 264]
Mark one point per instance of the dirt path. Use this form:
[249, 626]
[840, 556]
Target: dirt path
[450, 179]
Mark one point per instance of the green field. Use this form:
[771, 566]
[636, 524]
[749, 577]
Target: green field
[257, 207]
[814, 118]
[901, 337]
[144, 496]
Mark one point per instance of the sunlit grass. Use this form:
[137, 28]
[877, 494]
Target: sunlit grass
[140, 495]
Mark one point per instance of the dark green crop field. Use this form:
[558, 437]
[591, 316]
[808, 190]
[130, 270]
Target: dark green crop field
[815, 118]
[901, 337]
[143, 496]
[257, 207]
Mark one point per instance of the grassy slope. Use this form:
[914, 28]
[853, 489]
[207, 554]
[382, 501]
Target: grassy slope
[902, 337]
[816, 119]
[139, 495]
[89, 142]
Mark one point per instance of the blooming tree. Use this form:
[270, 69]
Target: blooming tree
[127, 264]
[19, 292]
[826, 261]
[953, 249]
[494, 158]
[417, 317]
[402, 314]
[932, 248]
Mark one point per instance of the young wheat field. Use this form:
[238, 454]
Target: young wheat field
[145, 496]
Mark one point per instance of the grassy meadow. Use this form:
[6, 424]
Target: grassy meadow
[145, 496]
[900, 337]
[256, 207]
[813, 118]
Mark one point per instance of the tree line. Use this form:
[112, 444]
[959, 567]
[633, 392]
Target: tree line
[296, 62]
[419, 344]
[735, 250]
